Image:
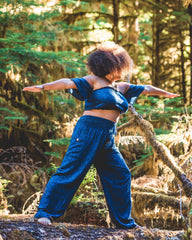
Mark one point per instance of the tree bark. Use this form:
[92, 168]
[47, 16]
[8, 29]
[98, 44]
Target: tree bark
[160, 150]
[115, 29]
[183, 67]
[190, 34]
[155, 53]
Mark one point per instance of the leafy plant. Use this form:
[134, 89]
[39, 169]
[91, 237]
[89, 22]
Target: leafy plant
[52, 168]
[88, 190]
[61, 141]
[3, 198]
[147, 153]
[10, 116]
[160, 110]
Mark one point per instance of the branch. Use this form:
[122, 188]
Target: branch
[160, 150]
[136, 188]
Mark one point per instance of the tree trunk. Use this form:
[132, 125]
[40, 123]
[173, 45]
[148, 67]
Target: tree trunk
[183, 67]
[115, 29]
[155, 54]
[190, 34]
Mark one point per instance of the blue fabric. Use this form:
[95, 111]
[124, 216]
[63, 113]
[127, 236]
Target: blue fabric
[133, 93]
[106, 98]
[92, 142]
[83, 89]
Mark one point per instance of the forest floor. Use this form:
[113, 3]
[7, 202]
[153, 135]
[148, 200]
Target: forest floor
[23, 227]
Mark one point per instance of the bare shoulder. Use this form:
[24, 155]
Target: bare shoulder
[90, 79]
[123, 86]
[95, 81]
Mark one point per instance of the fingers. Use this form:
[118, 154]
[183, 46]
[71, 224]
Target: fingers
[175, 95]
[32, 89]
[172, 95]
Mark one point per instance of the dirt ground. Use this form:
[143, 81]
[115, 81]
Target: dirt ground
[23, 227]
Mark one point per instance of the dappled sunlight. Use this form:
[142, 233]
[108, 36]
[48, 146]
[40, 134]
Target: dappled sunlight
[45, 40]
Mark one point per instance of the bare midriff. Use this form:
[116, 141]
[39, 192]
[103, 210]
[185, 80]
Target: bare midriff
[112, 115]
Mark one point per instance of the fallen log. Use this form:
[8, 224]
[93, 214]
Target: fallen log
[137, 123]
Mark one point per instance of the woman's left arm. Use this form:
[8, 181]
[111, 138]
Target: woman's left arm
[151, 90]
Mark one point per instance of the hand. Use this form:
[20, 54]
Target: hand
[37, 88]
[172, 95]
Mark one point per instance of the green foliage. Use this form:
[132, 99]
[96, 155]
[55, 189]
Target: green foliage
[162, 29]
[67, 103]
[160, 110]
[55, 143]
[45, 46]
[71, 3]
[15, 118]
[3, 190]
[90, 177]
[10, 116]
[60, 141]
[52, 169]
[54, 154]
[48, 170]
[103, 8]
[146, 154]
[23, 43]
[88, 190]
[4, 184]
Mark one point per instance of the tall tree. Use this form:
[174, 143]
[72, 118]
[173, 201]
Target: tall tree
[115, 28]
[190, 34]
[26, 39]
[167, 54]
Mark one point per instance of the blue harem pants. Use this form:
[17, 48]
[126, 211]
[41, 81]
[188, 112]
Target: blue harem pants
[92, 142]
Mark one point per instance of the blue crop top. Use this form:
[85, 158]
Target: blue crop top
[105, 97]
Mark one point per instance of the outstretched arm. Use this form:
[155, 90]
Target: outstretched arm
[64, 83]
[151, 90]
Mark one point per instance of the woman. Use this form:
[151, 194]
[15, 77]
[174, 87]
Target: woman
[92, 141]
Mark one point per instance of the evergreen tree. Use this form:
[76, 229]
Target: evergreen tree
[166, 44]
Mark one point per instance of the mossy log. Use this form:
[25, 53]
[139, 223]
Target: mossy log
[19, 227]
[159, 210]
[160, 150]
[144, 200]
[136, 188]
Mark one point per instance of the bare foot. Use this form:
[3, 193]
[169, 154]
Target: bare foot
[44, 221]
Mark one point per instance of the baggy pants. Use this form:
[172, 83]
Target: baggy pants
[92, 142]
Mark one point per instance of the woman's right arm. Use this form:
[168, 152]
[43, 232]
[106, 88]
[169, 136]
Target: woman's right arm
[64, 83]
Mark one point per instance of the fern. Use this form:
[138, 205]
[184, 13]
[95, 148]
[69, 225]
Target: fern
[8, 116]
[7, 110]
[54, 154]
[147, 153]
[60, 100]
[61, 141]
[156, 109]
[88, 190]
[48, 170]
[4, 127]
[159, 131]
[12, 118]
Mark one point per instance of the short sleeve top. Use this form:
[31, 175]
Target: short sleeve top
[106, 97]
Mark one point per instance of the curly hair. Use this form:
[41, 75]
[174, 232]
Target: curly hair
[109, 58]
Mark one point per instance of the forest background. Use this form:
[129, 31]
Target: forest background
[44, 40]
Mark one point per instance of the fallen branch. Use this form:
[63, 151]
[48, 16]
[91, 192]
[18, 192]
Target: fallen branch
[160, 150]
